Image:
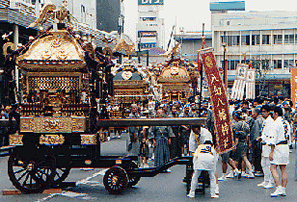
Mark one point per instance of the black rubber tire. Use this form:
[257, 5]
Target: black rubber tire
[115, 180]
[133, 180]
[31, 170]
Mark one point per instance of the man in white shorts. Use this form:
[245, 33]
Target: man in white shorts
[279, 155]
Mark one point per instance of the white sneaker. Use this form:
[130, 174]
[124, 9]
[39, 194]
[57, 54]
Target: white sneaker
[217, 191]
[244, 174]
[268, 186]
[278, 192]
[191, 194]
[236, 173]
[250, 175]
[168, 171]
[214, 196]
[223, 178]
[230, 175]
[284, 191]
[261, 184]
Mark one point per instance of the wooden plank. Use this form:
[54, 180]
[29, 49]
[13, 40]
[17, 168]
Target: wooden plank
[150, 122]
[11, 192]
[18, 192]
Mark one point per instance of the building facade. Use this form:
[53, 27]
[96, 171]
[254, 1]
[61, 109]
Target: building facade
[191, 41]
[267, 40]
[108, 14]
[150, 27]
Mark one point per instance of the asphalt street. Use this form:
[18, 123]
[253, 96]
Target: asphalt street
[163, 187]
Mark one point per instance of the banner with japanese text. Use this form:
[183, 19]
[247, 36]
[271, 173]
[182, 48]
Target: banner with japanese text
[294, 86]
[239, 82]
[219, 101]
[250, 84]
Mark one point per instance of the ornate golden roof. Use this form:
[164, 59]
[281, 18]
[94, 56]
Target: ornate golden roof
[174, 74]
[57, 51]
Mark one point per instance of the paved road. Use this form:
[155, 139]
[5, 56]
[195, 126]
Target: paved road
[163, 187]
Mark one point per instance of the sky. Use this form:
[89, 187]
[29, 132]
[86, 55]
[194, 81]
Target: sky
[192, 13]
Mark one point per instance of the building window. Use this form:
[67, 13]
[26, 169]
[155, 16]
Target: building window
[265, 39]
[245, 40]
[148, 18]
[232, 64]
[288, 64]
[289, 39]
[255, 39]
[277, 64]
[277, 39]
[230, 40]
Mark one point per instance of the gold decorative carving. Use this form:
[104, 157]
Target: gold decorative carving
[51, 139]
[126, 75]
[88, 139]
[46, 54]
[78, 124]
[16, 139]
[52, 124]
[62, 54]
[56, 43]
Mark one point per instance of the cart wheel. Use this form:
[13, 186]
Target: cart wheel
[31, 171]
[62, 172]
[115, 180]
[133, 180]
[61, 175]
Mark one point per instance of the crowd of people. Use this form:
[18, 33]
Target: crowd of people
[263, 132]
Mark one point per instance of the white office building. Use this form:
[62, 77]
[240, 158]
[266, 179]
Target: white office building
[150, 27]
[267, 38]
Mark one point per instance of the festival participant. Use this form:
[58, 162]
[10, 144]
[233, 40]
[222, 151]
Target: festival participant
[161, 139]
[134, 144]
[265, 133]
[185, 130]
[241, 132]
[254, 144]
[279, 155]
[205, 158]
[199, 134]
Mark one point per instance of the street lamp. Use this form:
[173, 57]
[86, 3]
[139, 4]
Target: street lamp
[224, 64]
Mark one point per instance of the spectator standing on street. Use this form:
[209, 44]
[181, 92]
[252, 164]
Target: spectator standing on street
[134, 144]
[161, 139]
[185, 130]
[254, 144]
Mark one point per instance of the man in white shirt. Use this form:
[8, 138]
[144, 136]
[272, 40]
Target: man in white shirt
[198, 133]
[265, 133]
[279, 155]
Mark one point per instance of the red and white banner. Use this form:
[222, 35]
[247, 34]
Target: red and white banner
[239, 83]
[219, 101]
[250, 84]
